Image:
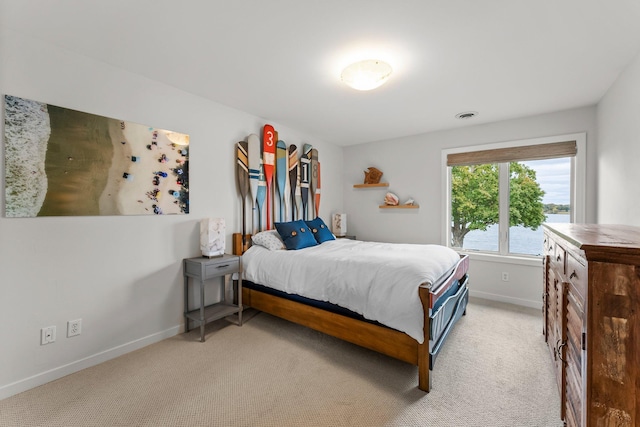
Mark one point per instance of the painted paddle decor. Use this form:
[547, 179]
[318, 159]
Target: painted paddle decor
[281, 174]
[313, 185]
[287, 190]
[298, 195]
[269, 160]
[317, 195]
[293, 178]
[254, 170]
[305, 178]
[242, 171]
[262, 195]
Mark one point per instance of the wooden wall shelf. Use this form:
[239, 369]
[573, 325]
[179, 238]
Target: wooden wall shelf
[399, 207]
[381, 184]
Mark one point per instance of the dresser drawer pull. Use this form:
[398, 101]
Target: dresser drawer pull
[223, 266]
[573, 275]
[559, 350]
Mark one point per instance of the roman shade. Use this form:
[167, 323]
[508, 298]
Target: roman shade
[514, 154]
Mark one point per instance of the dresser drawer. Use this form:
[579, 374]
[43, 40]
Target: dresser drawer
[577, 275]
[557, 257]
[547, 244]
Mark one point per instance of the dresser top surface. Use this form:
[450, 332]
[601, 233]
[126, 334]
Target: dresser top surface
[601, 239]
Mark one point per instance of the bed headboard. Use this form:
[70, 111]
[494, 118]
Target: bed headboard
[238, 248]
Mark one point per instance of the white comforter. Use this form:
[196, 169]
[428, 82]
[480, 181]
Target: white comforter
[377, 280]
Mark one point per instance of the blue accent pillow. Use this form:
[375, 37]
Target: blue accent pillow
[320, 230]
[295, 234]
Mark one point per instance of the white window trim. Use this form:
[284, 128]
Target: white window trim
[578, 184]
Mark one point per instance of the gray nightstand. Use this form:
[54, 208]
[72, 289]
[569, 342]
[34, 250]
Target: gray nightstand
[204, 269]
[346, 237]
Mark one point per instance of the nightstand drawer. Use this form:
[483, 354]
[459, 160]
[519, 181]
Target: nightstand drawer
[224, 267]
[207, 268]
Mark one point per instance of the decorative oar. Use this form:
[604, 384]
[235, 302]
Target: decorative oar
[281, 173]
[269, 160]
[262, 194]
[242, 171]
[305, 178]
[314, 179]
[254, 171]
[298, 195]
[317, 200]
[273, 188]
[293, 177]
[287, 191]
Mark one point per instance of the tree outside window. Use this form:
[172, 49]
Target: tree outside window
[500, 197]
[475, 199]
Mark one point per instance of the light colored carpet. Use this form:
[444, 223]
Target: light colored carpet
[493, 371]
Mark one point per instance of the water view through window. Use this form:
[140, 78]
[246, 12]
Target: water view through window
[521, 240]
[554, 178]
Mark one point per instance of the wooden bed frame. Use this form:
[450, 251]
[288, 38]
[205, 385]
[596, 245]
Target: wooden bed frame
[375, 337]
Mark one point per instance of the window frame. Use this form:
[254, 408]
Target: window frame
[578, 188]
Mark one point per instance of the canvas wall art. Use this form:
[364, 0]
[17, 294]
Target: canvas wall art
[66, 162]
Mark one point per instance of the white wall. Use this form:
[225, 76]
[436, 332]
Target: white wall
[412, 166]
[120, 274]
[619, 150]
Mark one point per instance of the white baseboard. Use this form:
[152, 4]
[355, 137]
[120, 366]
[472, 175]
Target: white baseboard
[64, 370]
[509, 300]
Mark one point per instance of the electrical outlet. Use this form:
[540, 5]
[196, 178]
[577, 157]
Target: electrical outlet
[74, 327]
[505, 276]
[47, 335]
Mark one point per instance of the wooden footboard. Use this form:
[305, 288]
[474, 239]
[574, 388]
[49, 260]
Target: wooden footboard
[440, 320]
[374, 337]
[378, 338]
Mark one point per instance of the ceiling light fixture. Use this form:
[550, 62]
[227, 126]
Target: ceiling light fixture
[366, 75]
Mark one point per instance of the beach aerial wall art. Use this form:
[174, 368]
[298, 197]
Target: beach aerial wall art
[62, 162]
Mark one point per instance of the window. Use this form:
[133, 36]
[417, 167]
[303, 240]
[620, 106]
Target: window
[499, 195]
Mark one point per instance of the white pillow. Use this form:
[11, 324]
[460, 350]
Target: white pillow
[270, 239]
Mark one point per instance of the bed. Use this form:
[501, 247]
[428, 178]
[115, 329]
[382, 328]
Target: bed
[371, 294]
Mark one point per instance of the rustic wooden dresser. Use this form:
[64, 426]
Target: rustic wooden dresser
[591, 307]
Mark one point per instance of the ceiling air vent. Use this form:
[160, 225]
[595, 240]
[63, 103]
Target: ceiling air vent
[466, 115]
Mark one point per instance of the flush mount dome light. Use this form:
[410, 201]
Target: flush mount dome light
[366, 75]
